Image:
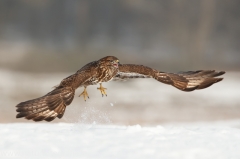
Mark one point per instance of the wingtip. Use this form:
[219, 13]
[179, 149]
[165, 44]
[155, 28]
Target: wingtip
[218, 79]
[20, 115]
[221, 73]
[48, 119]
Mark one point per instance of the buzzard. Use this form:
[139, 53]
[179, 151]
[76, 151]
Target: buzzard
[54, 103]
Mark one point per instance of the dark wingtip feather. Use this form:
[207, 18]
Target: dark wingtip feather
[39, 118]
[208, 82]
[218, 80]
[30, 116]
[221, 73]
[50, 118]
[21, 114]
[60, 116]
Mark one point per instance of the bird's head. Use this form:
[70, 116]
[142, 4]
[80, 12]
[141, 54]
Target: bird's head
[110, 61]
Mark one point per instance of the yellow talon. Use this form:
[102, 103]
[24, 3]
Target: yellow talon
[102, 89]
[84, 93]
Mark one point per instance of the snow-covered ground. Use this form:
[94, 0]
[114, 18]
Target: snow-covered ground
[219, 140]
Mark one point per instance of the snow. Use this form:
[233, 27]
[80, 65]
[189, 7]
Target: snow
[219, 140]
[140, 119]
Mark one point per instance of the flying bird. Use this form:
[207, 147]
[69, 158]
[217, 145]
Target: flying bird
[54, 103]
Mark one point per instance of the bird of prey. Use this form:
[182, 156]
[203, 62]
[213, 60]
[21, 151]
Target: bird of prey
[54, 103]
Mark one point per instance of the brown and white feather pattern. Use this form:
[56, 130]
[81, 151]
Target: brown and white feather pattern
[191, 80]
[185, 81]
[54, 103]
[48, 107]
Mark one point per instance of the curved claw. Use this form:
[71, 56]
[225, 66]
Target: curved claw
[102, 89]
[84, 94]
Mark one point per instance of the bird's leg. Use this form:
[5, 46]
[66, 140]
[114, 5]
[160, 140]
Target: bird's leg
[84, 93]
[102, 89]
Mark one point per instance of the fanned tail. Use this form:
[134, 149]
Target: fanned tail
[47, 107]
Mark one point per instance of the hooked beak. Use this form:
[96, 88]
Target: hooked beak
[116, 63]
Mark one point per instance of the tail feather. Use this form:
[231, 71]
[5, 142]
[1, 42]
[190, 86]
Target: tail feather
[48, 107]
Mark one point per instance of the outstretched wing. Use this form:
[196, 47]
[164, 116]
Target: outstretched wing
[129, 71]
[191, 80]
[48, 107]
[185, 81]
[54, 103]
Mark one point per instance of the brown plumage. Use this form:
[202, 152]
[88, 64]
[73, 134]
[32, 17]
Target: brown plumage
[54, 103]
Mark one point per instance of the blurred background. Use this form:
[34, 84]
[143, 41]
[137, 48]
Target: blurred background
[44, 41]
